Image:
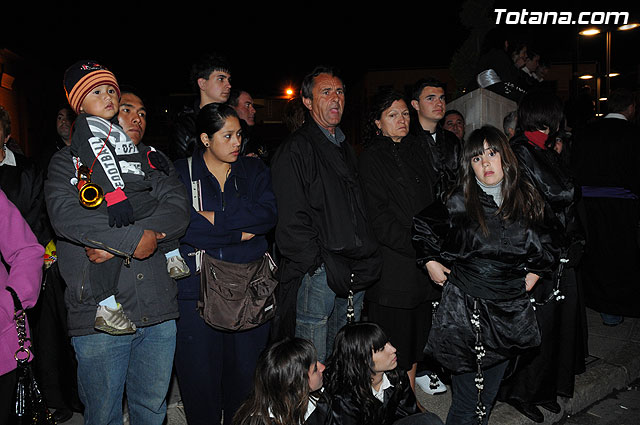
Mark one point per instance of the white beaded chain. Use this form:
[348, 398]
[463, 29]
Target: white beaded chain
[481, 410]
[556, 294]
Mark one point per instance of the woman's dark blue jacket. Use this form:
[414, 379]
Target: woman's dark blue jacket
[246, 205]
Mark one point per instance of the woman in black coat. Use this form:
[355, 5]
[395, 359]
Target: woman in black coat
[542, 374]
[394, 171]
[487, 246]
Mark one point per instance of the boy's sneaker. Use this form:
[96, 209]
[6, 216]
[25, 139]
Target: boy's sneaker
[113, 322]
[177, 268]
[431, 384]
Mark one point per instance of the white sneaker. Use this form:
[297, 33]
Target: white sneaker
[431, 384]
[177, 268]
[113, 322]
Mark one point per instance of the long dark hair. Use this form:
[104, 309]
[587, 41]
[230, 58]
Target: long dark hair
[520, 200]
[350, 366]
[280, 394]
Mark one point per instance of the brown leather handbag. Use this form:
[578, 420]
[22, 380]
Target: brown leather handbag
[237, 297]
[233, 297]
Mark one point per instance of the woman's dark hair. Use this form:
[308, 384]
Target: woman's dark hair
[380, 102]
[520, 200]
[350, 366]
[211, 119]
[540, 110]
[281, 390]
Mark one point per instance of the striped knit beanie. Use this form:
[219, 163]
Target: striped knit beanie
[82, 77]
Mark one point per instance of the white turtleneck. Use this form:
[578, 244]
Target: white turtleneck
[492, 190]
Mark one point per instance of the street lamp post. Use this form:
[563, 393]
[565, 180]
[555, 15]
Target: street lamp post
[607, 74]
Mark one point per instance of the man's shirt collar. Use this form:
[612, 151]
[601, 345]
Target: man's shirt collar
[336, 138]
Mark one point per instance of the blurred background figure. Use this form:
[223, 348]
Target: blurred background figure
[610, 193]
[242, 102]
[542, 375]
[22, 182]
[64, 122]
[454, 122]
[294, 114]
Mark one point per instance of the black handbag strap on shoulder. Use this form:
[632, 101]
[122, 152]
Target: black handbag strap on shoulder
[23, 354]
[16, 301]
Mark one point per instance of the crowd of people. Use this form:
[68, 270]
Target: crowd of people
[433, 259]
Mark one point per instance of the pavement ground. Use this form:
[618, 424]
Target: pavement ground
[613, 366]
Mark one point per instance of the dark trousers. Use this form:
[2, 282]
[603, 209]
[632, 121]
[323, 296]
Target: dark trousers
[214, 368]
[8, 383]
[55, 363]
[465, 395]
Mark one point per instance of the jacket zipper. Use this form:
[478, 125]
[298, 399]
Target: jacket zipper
[84, 274]
[127, 257]
[223, 205]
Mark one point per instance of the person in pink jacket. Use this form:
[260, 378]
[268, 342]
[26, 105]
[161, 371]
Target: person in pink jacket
[23, 254]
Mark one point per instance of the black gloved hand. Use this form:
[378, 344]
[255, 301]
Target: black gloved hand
[119, 208]
[158, 161]
[120, 214]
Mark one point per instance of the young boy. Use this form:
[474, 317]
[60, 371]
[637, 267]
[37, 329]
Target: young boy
[103, 150]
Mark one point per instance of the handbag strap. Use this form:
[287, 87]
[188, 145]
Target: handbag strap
[196, 188]
[16, 301]
[196, 201]
[23, 354]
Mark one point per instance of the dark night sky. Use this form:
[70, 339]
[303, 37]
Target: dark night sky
[266, 48]
[151, 46]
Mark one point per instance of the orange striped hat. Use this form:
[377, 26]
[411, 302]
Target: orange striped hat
[82, 77]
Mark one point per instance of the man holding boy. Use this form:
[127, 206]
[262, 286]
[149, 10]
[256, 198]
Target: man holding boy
[141, 361]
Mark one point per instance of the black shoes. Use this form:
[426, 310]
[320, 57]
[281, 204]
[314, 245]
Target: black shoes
[614, 324]
[529, 410]
[551, 406]
[62, 415]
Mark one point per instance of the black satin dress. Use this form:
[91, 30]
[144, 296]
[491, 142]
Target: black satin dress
[487, 270]
[538, 376]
